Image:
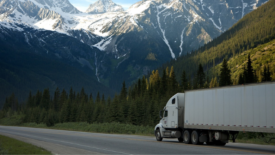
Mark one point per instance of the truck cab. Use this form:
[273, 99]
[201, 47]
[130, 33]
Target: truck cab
[170, 114]
[168, 126]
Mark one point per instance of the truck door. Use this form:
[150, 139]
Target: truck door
[172, 108]
[165, 119]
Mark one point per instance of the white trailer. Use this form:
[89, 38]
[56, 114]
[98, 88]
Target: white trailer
[217, 115]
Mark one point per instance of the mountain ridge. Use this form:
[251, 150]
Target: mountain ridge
[103, 6]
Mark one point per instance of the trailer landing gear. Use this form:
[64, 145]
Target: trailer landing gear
[234, 135]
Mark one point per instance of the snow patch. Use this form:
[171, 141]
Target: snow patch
[181, 43]
[218, 27]
[210, 9]
[11, 26]
[244, 6]
[96, 68]
[163, 31]
[46, 24]
[133, 21]
[138, 9]
[102, 45]
[27, 39]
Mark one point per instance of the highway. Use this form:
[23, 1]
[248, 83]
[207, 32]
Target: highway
[72, 142]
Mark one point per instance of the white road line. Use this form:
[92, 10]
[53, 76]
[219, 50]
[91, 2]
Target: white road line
[104, 149]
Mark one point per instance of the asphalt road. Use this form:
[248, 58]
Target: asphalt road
[71, 142]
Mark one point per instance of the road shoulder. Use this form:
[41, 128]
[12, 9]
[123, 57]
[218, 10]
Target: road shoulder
[55, 149]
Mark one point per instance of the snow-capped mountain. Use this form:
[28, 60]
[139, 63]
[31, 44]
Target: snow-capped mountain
[135, 41]
[103, 6]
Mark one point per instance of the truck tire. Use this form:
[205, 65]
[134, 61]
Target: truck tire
[186, 137]
[195, 137]
[158, 135]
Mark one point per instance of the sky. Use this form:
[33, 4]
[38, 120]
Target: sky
[83, 5]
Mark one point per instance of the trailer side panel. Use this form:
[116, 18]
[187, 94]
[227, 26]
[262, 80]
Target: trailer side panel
[235, 108]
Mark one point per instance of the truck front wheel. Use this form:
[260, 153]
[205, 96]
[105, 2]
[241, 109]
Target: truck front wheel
[158, 135]
[186, 137]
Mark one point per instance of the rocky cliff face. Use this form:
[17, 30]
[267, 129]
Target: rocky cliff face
[103, 6]
[132, 42]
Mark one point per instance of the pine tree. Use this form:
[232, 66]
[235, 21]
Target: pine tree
[184, 82]
[30, 101]
[90, 110]
[114, 112]
[249, 72]
[62, 99]
[200, 79]
[73, 112]
[225, 77]
[173, 84]
[163, 87]
[46, 99]
[132, 113]
[214, 83]
[38, 98]
[266, 75]
[71, 95]
[56, 100]
[241, 79]
[123, 92]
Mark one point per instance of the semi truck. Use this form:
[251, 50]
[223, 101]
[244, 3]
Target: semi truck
[215, 116]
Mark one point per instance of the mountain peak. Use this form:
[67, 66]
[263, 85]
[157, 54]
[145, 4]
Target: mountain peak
[102, 6]
[64, 5]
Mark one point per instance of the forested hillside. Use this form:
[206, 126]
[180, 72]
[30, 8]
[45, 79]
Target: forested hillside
[255, 29]
[262, 58]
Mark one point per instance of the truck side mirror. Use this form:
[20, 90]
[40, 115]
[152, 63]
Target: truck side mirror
[160, 114]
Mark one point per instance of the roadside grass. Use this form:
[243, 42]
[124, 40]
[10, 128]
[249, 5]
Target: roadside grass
[261, 141]
[256, 138]
[110, 128]
[13, 146]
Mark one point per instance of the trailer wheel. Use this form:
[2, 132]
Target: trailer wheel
[186, 137]
[195, 137]
[158, 135]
